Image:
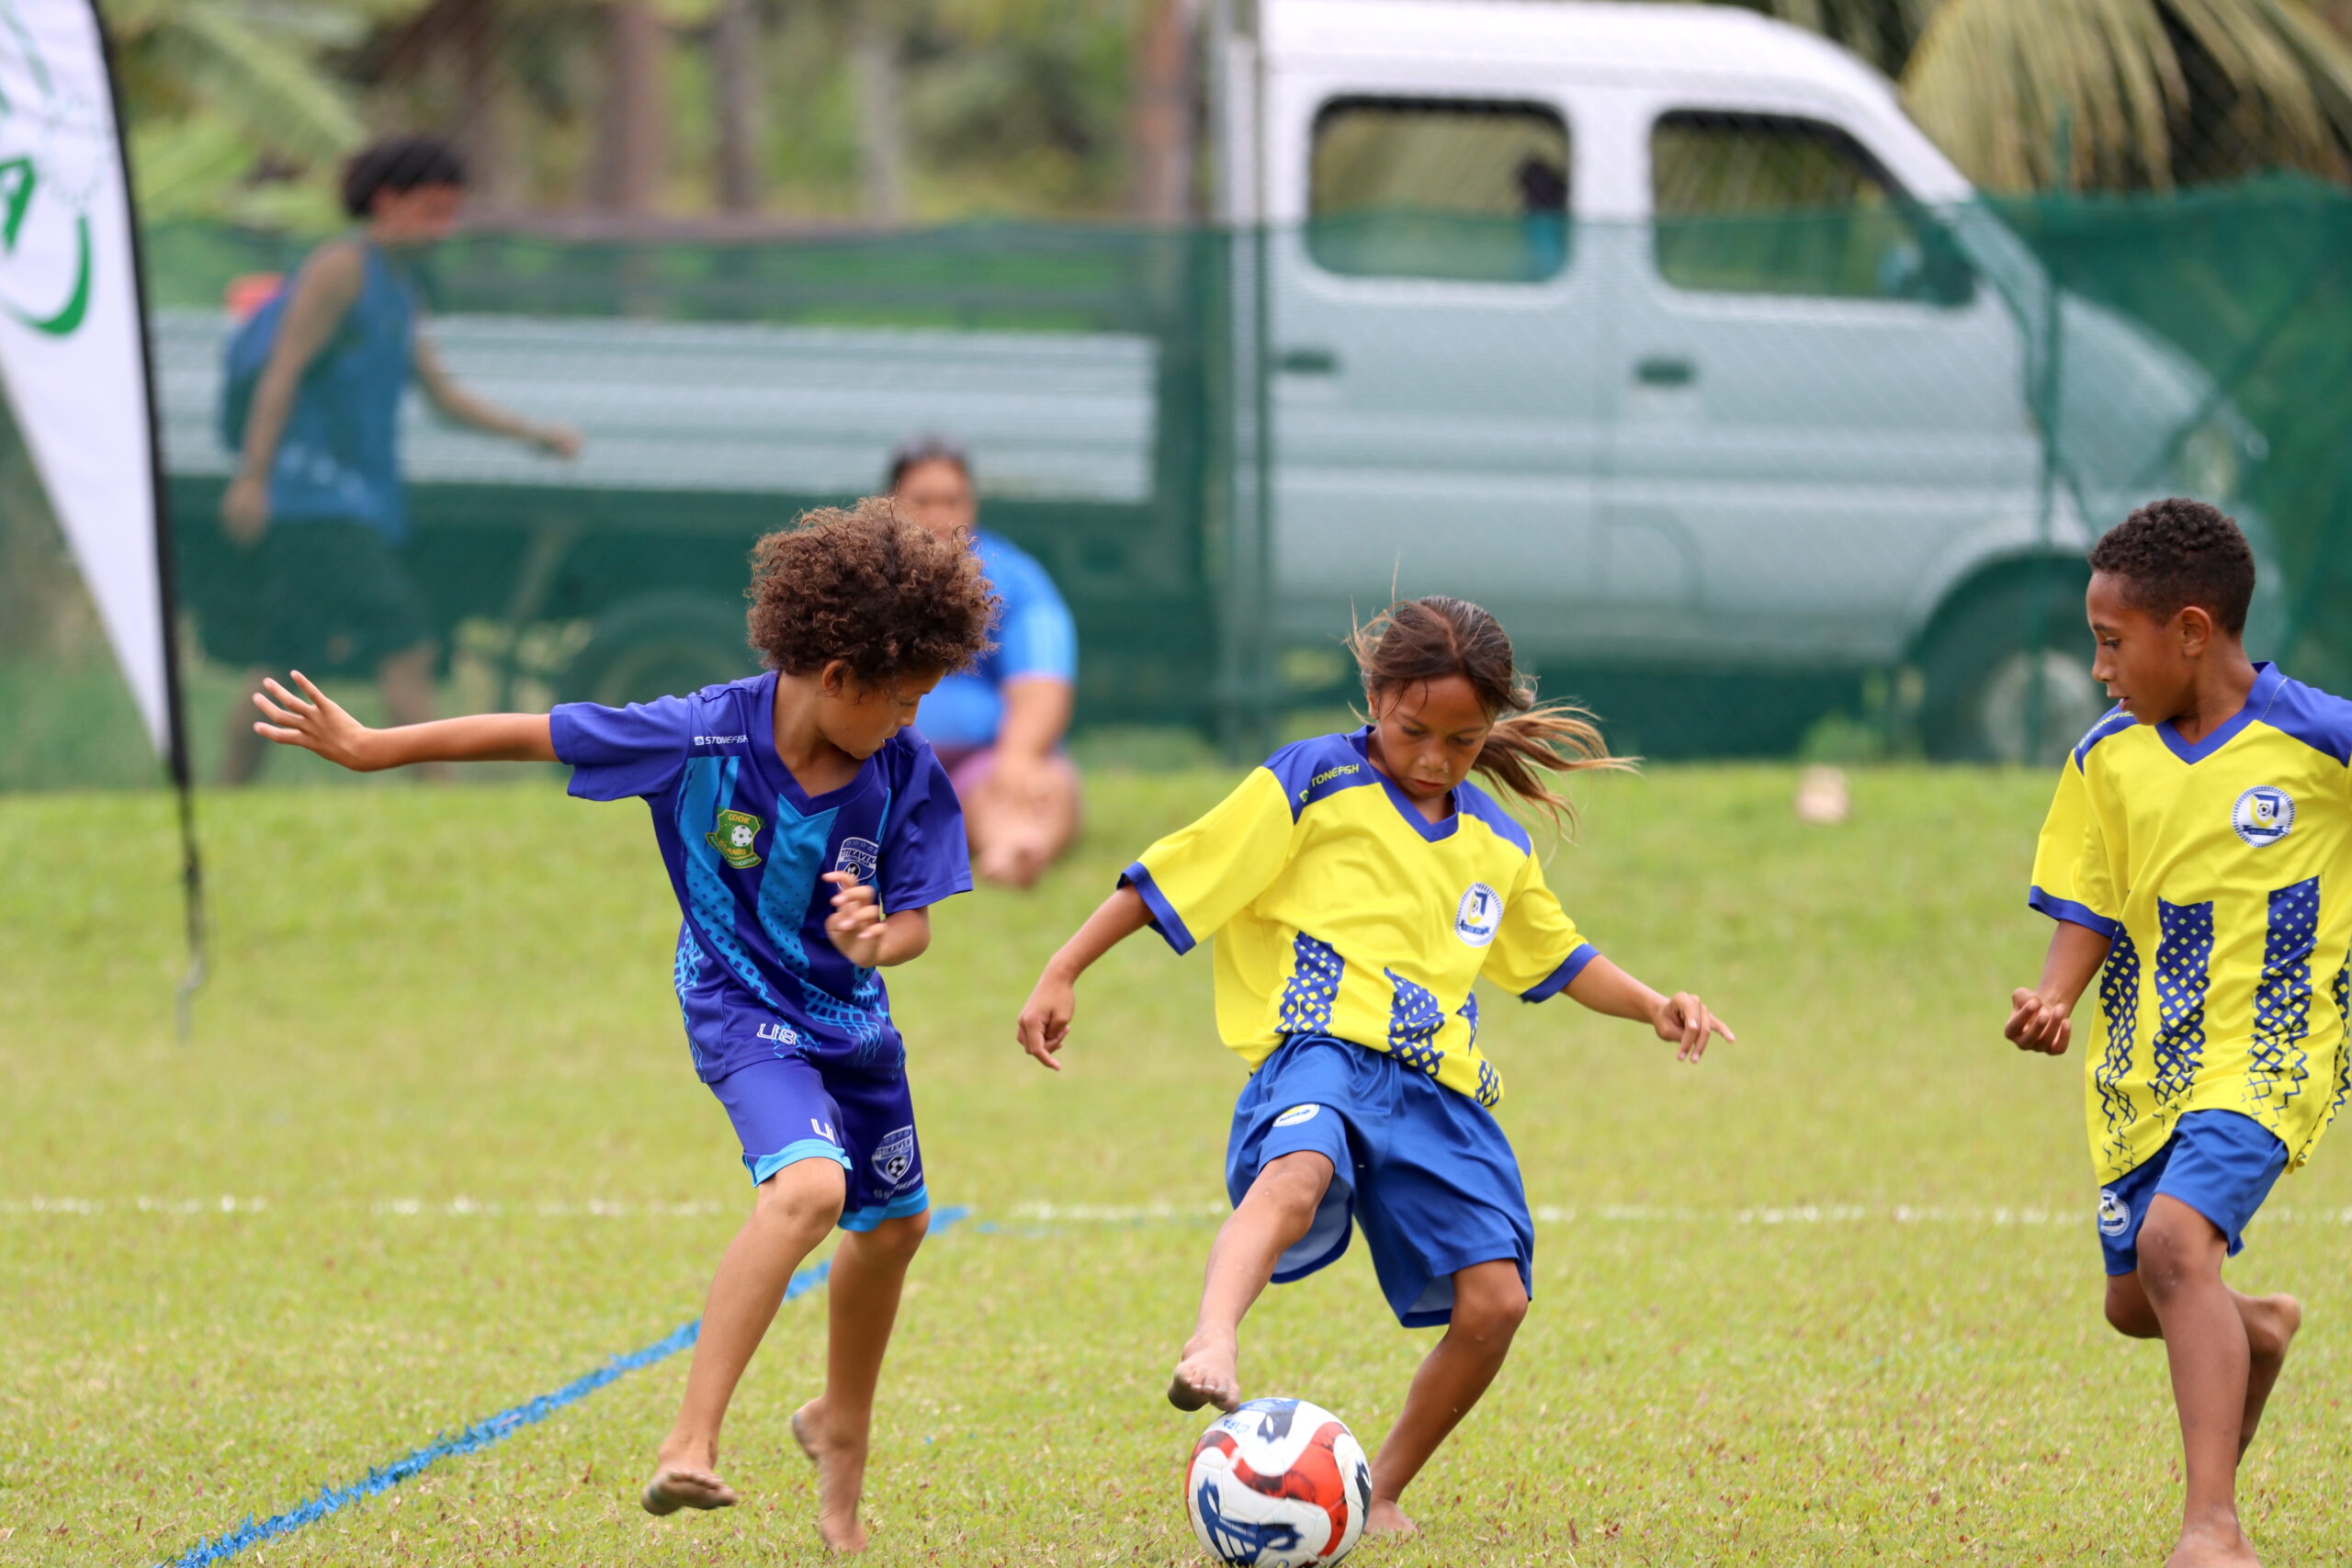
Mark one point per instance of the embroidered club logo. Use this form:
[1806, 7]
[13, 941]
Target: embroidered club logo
[858, 857]
[2114, 1214]
[734, 838]
[895, 1155]
[1296, 1114]
[1478, 914]
[2263, 814]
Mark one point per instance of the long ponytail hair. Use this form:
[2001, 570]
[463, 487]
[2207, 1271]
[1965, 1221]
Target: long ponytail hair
[1418, 640]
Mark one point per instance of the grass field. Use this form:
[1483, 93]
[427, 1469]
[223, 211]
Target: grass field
[1830, 1298]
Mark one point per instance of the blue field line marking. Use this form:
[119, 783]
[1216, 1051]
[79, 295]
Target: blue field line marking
[481, 1434]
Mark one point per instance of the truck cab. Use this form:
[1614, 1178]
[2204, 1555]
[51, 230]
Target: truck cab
[1663, 333]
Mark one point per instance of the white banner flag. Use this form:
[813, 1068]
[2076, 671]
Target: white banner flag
[69, 347]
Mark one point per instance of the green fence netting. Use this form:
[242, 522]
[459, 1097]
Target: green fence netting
[1806, 468]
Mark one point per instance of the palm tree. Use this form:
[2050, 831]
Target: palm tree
[253, 65]
[2033, 95]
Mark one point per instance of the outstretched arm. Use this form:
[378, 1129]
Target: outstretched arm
[2042, 1019]
[1045, 1022]
[455, 402]
[315, 722]
[1681, 1019]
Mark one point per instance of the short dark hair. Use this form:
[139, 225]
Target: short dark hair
[861, 584]
[2176, 553]
[398, 163]
[924, 449]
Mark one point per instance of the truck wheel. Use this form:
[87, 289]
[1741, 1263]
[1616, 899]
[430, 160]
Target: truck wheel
[659, 645]
[1981, 670]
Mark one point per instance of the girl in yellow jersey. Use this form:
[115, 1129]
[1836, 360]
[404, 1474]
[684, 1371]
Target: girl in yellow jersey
[1358, 885]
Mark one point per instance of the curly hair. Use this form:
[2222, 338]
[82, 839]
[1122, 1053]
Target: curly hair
[2171, 554]
[888, 597]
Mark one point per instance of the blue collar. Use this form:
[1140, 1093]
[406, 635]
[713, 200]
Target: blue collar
[2266, 682]
[1435, 832]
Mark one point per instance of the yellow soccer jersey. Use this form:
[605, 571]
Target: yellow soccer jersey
[1339, 909]
[2221, 872]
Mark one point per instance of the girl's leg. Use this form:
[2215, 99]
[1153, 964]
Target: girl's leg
[791, 1212]
[2271, 1323]
[869, 1268]
[1274, 1215]
[1488, 1304]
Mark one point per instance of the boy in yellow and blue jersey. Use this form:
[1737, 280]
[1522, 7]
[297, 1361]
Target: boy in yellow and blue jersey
[2196, 860]
[1358, 887]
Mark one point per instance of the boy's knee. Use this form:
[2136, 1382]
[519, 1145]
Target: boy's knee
[806, 1194]
[1489, 1304]
[2127, 1312]
[2177, 1247]
[1296, 1183]
[895, 1240]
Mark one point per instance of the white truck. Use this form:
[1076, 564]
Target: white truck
[1658, 329]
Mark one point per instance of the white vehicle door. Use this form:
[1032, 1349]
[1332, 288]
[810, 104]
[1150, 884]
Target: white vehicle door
[1431, 347]
[1818, 393]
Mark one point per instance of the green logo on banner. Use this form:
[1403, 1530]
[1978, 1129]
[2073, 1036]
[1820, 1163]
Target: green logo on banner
[54, 148]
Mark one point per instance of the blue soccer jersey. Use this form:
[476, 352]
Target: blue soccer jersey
[746, 847]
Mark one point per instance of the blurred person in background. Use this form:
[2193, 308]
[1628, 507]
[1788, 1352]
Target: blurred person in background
[998, 727]
[311, 406]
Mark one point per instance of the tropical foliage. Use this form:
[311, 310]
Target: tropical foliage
[927, 109]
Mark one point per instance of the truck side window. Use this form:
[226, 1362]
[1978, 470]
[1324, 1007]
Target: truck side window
[1767, 204]
[1447, 188]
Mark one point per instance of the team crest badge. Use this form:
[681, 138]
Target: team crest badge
[858, 857]
[895, 1155]
[2263, 814]
[1477, 916]
[734, 838]
[2114, 1214]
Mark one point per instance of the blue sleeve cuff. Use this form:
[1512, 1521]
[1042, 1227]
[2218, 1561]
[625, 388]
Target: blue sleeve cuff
[1560, 979]
[2074, 914]
[1164, 918]
[563, 734]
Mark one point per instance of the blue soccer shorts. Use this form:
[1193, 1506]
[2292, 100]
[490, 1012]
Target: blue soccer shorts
[2217, 1162]
[1425, 1170]
[790, 1108]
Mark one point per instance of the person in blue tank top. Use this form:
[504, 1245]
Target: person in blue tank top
[806, 830]
[998, 726]
[316, 507]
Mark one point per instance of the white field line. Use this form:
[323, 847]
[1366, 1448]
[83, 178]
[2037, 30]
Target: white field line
[1795, 1214]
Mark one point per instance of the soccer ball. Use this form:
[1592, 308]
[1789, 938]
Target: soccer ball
[1278, 1483]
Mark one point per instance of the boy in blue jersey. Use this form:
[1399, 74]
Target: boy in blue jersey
[806, 830]
[2195, 860]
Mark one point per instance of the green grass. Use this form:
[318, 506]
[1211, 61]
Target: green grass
[462, 994]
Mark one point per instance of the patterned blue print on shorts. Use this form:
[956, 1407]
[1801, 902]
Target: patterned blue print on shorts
[2282, 999]
[1414, 1019]
[2119, 1002]
[1314, 974]
[2184, 962]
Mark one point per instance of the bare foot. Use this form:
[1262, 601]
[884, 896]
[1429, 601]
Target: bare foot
[1209, 1372]
[2269, 1331]
[680, 1486]
[840, 1459]
[2218, 1545]
[1385, 1517]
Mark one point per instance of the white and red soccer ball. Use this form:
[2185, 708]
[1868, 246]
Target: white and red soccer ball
[1278, 1483]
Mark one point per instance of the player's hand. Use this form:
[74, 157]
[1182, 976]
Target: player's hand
[555, 440]
[855, 925]
[244, 510]
[1044, 1020]
[315, 722]
[1684, 1022]
[2035, 1023]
